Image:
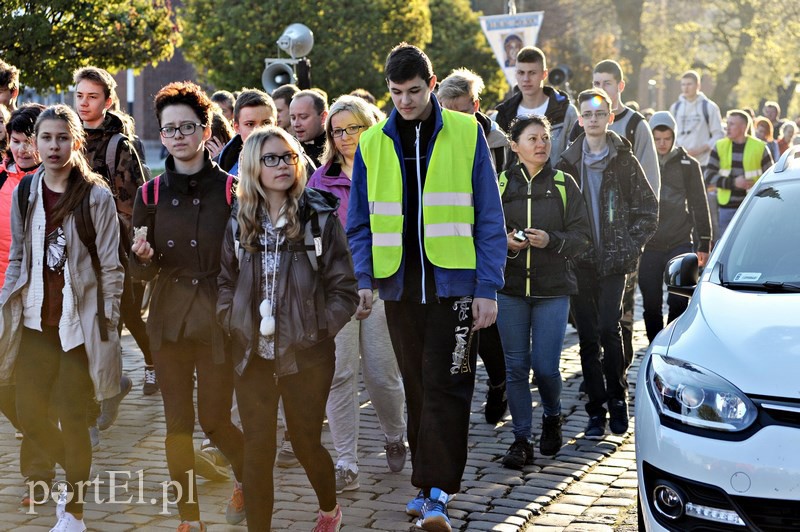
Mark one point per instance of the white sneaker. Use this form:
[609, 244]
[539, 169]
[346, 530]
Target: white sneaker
[61, 504]
[68, 523]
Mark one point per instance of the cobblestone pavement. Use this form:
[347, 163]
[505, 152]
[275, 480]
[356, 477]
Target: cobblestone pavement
[587, 486]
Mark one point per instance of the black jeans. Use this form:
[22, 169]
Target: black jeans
[597, 310]
[439, 377]
[34, 463]
[304, 397]
[651, 283]
[43, 368]
[130, 308]
[175, 365]
[626, 321]
[491, 352]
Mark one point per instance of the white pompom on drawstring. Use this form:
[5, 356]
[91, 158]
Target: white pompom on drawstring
[265, 308]
[267, 326]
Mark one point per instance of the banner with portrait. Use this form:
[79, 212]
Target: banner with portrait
[507, 34]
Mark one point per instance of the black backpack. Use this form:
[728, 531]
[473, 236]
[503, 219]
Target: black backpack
[87, 234]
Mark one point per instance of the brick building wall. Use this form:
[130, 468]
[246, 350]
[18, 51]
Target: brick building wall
[146, 85]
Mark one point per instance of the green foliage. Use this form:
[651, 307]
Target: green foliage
[228, 41]
[458, 41]
[579, 34]
[47, 41]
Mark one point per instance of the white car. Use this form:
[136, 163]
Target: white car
[718, 396]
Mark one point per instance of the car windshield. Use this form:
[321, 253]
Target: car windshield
[765, 246]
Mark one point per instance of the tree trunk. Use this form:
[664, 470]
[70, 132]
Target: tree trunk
[629, 15]
[729, 77]
[785, 95]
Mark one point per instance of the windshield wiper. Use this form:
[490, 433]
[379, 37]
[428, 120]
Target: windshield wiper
[779, 286]
[775, 287]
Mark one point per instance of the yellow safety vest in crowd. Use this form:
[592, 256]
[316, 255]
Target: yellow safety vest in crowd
[447, 207]
[751, 162]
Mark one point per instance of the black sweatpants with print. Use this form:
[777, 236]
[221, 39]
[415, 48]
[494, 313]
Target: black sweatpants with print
[430, 341]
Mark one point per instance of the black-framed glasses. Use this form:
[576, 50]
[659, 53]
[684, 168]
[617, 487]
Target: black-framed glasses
[600, 115]
[186, 129]
[271, 159]
[350, 130]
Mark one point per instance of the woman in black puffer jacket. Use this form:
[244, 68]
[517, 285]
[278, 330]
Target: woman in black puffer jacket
[548, 224]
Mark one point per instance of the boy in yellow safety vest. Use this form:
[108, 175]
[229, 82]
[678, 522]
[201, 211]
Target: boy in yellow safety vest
[425, 225]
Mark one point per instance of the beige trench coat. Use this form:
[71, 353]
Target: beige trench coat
[105, 357]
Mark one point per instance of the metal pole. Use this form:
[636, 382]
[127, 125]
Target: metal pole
[130, 90]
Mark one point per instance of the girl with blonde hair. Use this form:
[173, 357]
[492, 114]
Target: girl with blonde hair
[286, 288]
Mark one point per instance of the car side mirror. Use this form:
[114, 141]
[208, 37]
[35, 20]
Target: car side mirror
[681, 274]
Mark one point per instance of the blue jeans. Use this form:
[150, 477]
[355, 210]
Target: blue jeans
[532, 332]
[725, 217]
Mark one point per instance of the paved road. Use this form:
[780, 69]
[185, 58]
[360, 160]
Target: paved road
[588, 486]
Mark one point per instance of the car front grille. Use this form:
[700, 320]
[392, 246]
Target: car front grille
[769, 515]
[759, 514]
[777, 411]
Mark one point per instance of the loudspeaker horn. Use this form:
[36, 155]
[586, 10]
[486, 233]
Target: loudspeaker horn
[277, 72]
[559, 75]
[297, 40]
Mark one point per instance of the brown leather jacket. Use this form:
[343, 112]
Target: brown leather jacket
[301, 324]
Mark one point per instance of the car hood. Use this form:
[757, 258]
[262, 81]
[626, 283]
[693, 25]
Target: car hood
[751, 339]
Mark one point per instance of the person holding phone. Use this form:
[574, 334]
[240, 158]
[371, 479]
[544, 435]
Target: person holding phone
[548, 224]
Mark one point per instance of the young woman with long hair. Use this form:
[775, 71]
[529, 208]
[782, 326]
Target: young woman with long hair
[50, 301]
[22, 159]
[286, 288]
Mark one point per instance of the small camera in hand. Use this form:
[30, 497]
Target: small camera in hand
[520, 236]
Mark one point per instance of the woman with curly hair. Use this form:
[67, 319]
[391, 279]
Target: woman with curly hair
[185, 211]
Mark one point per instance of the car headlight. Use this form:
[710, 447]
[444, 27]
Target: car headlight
[695, 396]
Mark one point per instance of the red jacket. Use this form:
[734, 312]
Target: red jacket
[12, 179]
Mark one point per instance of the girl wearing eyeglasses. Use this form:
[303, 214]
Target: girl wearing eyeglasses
[189, 209]
[366, 333]
[286, 288]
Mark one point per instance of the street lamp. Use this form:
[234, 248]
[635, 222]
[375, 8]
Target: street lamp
[651, 87]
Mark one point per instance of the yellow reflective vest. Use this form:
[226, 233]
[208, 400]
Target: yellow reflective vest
[447, 206]
[751, 163]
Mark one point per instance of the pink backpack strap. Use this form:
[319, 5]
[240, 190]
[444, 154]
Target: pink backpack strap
[229, 188]
[153, 184]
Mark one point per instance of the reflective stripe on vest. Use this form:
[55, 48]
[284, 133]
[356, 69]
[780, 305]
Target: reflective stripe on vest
[447, 206]
[751, 163]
